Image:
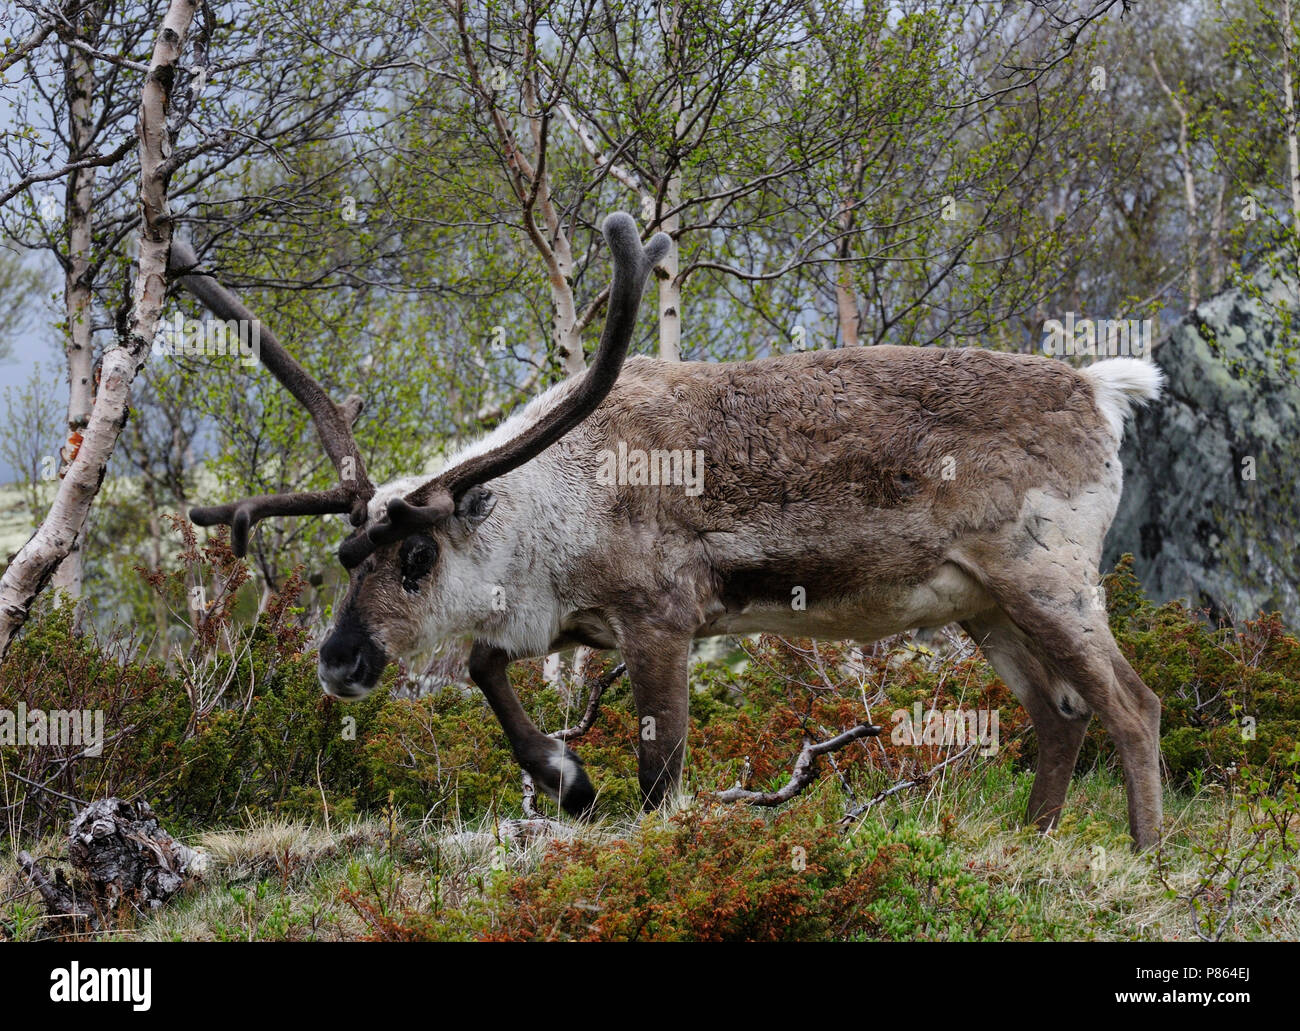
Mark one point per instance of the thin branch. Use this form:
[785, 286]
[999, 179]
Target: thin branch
[42, 787]
[589, 144]
[593, 705]
[37, 37]
[121, 62]
[801, 775]
[94, 161]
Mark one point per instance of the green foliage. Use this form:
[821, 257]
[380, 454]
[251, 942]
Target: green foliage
[730, 875]
[1229, 695]
[927, 893]
[1256, 838]
[245, 725]
[198, 764]
[727, 876]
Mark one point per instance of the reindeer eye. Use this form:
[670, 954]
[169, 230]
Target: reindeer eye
[417, 556]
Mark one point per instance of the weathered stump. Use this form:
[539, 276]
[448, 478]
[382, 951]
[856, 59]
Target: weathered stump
[120, 855]
[124, 853]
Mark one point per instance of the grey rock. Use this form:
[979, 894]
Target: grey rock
[1199, 527]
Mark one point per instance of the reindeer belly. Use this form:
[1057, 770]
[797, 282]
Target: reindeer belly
[872, 612]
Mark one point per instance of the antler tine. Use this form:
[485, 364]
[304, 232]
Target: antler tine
[435, 499]
[333, 422]
[241, 515]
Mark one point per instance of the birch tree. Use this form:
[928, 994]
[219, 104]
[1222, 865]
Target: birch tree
[79, 204]
[79, 77]
[79, 116]
[35, 564]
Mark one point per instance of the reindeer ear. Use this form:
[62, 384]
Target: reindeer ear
[475, 505]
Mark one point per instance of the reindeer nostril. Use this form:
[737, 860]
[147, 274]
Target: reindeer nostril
[350, 658]
[334, 652]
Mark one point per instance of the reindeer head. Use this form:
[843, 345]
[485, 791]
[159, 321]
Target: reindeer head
[402, 556]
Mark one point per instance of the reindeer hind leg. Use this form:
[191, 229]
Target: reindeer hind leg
[1057, 609]
[1059, 716]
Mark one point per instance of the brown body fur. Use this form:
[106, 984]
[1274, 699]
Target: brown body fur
[845, 472]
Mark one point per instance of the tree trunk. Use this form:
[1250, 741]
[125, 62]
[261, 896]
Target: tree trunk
[846, 303]
[556, 252]
[1216, 239]
[34, 565]
[1289, 106]
[670, 288]
[79, 85]
[846, 298]
[564, 322]
[1189, 190]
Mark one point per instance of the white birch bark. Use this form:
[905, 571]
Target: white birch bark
[1289, 107]
[1189, 190]
[666, 272]
[79, 350]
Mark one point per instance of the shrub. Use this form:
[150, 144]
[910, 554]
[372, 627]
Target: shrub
[719, 874]
[1229, 695]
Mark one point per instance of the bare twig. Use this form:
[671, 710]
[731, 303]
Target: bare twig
[801, 775]
[593, 705]
[16, 53]
[42, 787]
[94, 161]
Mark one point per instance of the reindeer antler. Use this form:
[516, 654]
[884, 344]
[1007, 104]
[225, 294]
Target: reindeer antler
[434, 500]
[333, 423]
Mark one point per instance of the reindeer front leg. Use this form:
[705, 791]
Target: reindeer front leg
[657, 666]
[554, 767]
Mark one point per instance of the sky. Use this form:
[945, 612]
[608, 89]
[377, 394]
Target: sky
[33, 345]
[36, 341]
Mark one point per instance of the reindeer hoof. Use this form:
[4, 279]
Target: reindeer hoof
[577, 796]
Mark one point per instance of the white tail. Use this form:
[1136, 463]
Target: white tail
[1122, 382]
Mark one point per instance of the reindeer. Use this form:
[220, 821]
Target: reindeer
[890, 488]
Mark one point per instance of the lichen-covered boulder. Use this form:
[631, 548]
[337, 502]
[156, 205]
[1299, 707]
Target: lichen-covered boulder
[1211, 504]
